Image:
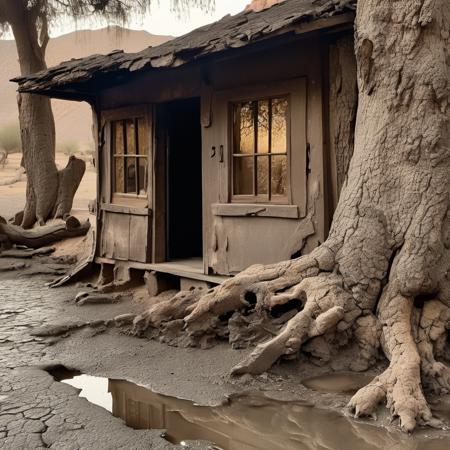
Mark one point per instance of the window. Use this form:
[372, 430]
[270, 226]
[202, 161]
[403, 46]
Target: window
[260, 150]
[130, 153]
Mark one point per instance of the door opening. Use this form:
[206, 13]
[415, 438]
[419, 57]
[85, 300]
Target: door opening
[184, 229]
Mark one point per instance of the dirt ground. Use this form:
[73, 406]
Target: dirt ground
[36, 412]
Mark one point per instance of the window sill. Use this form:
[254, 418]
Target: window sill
[255, 210]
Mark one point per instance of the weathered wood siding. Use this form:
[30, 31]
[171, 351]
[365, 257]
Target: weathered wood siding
[234, 236]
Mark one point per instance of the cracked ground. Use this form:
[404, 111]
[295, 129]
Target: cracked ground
[37, 412]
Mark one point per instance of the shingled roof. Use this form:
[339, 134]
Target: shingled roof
[228, 33]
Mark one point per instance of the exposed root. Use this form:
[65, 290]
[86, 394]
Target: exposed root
[44, 236]
[26, 253]
[400, 385]
[94, 298]
[9, 267]
[431, 342]
[167, 308]
[321, 313]
[327, 307]
[367, 332]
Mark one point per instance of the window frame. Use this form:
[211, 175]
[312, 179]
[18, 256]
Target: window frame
[123, 114]
[268, 198]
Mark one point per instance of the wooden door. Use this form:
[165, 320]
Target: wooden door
[126, 185]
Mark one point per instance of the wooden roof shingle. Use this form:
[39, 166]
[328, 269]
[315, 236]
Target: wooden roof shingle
[228, 33]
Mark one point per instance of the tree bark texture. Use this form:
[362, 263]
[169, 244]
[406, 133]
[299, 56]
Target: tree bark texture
[37, 123]
[382, 278]
[343, 104]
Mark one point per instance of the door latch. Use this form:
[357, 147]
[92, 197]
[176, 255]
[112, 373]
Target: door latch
[221, 154]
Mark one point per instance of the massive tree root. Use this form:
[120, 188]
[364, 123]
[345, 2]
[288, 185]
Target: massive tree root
[43, 236]
[382, 278]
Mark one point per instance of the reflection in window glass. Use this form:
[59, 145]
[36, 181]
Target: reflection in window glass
[262, 178]
[246, 138]
[279, 129]
[142, 176]
[129, 150]
[119, 172]
[279, 174]
[243, 176]
[117, 133]
[131, 137]
[130, 175]
[142, 137]
[263, 127]
[261, 130]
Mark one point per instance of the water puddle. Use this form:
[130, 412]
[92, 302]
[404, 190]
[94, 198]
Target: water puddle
[250, 421]
[344, 382]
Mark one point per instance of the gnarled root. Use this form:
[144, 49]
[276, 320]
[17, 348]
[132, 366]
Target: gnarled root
[326, 314]
[327, 306]
[400, 385]
[431, 341]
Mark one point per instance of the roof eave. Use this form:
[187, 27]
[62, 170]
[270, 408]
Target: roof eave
[328, 25]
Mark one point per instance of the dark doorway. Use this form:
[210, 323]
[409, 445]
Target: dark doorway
[184, 180]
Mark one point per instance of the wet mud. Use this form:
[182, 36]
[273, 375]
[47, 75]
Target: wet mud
[250, 420]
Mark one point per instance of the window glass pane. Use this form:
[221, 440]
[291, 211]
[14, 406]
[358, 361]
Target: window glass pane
[279, 175]
[243, 175]
[119, 185]
[245, 142]
[130, 175]
[263, 126]
[142, 137]
[117, 134]
[262, 177]
[279, 125]
[131, 138]
[142, 176]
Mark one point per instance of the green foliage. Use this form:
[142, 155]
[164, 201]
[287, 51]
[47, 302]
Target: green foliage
[68, 147]
[10, 138]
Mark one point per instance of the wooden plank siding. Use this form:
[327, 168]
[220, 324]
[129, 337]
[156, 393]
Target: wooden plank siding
[232, 232]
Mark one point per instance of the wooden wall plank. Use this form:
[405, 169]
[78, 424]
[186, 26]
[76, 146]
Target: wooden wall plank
[238, 241]
[115, 236]
[126, 209]
[139, 238]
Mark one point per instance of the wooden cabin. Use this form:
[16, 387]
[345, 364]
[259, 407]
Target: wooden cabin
[222, 148]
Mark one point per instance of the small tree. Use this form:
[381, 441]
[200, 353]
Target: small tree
[30, 21]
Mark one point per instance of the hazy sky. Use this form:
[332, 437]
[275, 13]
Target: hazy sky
[162, 21]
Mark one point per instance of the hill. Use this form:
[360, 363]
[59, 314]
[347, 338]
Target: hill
[73, 120]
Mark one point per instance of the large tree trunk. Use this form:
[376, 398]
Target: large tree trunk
[37, 124]
[382, 276]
